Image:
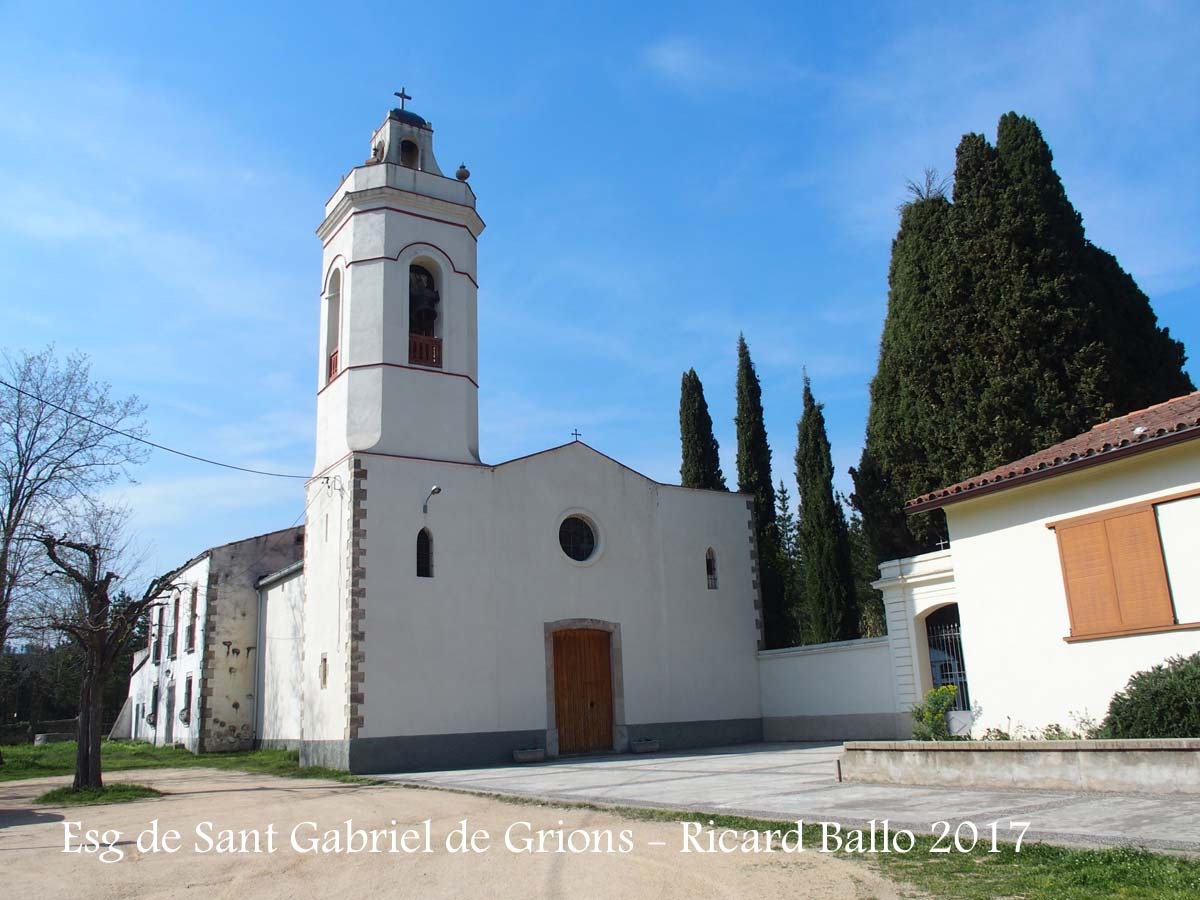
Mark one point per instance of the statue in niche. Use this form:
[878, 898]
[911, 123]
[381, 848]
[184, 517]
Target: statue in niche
[423, 300]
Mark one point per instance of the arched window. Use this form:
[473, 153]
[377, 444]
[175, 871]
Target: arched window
[424, 344]
[423, 301]
[410, 155]
[424, 554]
[710, 568]
[333, 325]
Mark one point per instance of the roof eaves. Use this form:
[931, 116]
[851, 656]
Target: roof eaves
[1073, 462]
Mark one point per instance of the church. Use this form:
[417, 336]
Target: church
[435, 611]
[438, 611]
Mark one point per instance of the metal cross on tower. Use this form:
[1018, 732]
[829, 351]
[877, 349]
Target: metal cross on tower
[403, 96]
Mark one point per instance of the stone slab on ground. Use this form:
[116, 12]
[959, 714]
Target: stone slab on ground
[799, 781]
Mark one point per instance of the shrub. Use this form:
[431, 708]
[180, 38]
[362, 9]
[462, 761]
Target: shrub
[1056, 732]
[929, 716]
[1161, 702]
[996, 734]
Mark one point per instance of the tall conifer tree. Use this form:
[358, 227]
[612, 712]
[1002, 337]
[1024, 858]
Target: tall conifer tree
[830, 608]
[790, 566]
[754, 478]
[753, 453]
[701, 456]
[1007, 331]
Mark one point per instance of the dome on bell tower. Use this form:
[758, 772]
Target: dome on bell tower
[408, 117]
[404, 139]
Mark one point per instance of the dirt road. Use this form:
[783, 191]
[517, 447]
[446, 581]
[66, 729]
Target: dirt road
[288, 838]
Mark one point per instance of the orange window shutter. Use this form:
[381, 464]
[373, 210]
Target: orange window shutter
[1138, 570]
[1089, 579]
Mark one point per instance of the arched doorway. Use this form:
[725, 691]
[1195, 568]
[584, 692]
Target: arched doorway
[584, 688]
[947, 664]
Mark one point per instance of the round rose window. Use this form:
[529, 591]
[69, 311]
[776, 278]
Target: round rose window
[577, 538]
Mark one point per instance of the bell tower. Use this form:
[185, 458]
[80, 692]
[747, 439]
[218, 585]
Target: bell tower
[398, 361]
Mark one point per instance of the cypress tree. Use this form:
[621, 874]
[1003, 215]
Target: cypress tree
[753, 453]
[911, 384]
[754, 478]
[1007, 331]
[831, 613]
[701, 456]
[872, 616]
[790, 566]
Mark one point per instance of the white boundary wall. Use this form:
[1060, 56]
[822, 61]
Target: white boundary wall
[830, 692]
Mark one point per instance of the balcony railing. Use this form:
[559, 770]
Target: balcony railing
[332, 370]
[424, 351]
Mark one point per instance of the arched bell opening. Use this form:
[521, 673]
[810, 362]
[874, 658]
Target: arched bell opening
[424, 316]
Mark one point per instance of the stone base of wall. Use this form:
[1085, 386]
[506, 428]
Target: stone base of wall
[327, 754]
[1152, 766]
[277, 744]
[693, 735]
[426, 752]
[849, 727]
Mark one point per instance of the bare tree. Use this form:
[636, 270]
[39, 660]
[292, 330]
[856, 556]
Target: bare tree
[930, 186]
[62, 437]
[99, 623]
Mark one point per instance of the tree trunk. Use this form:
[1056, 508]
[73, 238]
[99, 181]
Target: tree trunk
[87, 750]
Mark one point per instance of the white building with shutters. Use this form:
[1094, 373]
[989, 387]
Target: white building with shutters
[1068, 571]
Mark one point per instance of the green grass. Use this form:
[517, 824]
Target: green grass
[113, 793]
[27, 761]
[1038, 871]
[1043, 870]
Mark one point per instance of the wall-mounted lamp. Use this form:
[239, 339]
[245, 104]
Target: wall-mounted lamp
[433, 490]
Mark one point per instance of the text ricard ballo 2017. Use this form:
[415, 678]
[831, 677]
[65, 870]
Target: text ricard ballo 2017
[523, 837]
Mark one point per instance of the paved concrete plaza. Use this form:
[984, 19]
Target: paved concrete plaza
[799, 781]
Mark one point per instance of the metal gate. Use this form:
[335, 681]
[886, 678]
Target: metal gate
[946, 663]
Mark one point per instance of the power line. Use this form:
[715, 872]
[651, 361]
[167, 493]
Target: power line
[134, 437]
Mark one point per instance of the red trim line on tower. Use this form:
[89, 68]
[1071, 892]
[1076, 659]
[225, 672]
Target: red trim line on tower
[453, 267]
[403, 212]
[389, 365]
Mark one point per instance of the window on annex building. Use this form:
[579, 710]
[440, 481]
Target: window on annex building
[185, 709]
[191, 626]
[173, 639]
[156, 630]
[1123, 571]
[710, 568]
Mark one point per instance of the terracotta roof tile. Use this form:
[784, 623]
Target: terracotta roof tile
[1177, 419]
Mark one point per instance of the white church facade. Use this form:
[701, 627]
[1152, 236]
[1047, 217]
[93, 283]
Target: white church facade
[435, 611]
[447, 612]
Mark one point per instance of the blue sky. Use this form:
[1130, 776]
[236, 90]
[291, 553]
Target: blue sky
[655, 179]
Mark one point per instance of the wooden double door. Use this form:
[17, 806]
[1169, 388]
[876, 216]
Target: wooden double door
[583, 696]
